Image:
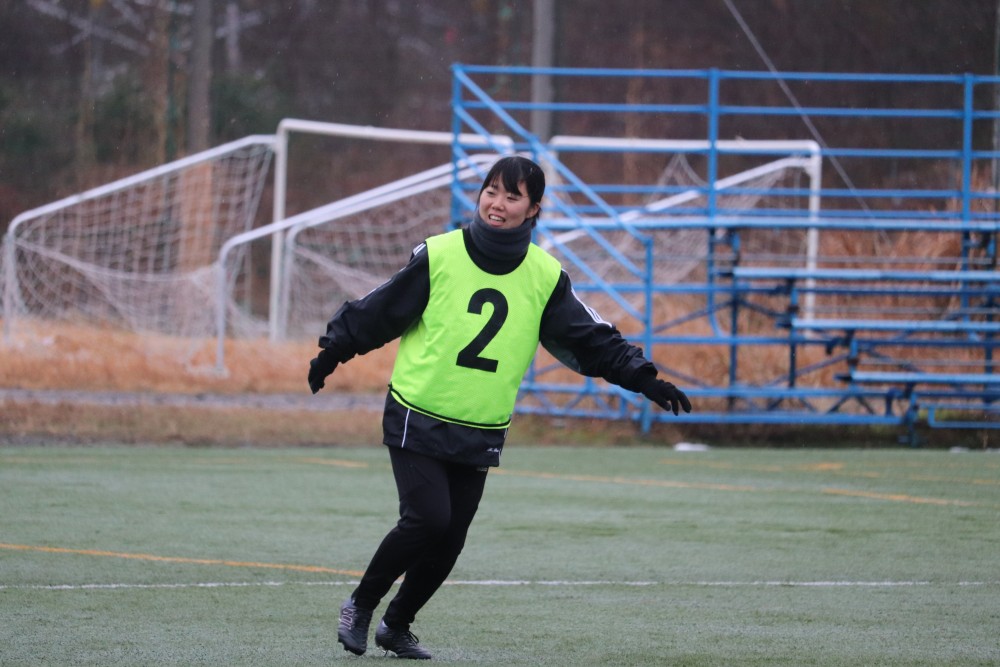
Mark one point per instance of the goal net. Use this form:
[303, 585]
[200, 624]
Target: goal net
[139, 253]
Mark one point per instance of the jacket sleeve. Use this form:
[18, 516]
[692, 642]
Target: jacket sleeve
[382, 315]
[579, 338]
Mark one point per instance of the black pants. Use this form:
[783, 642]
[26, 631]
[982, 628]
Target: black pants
[437, 502]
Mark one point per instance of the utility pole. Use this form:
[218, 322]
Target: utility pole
[200, 77]
[543, 56]
[233, 58]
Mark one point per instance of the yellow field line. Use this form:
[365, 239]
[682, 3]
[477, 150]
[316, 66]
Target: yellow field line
[625, 480]
[833, 468]
[893, 497]
[342, 463]
[900, 498]
[176, 559]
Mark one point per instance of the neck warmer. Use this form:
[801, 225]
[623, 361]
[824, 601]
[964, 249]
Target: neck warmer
[500, 244]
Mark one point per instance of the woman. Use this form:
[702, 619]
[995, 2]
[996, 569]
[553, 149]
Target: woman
[470, 307]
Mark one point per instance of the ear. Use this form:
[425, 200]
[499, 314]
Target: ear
[534, 210]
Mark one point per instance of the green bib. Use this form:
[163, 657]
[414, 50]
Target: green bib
[464, 360]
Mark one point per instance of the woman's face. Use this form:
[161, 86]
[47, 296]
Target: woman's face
[505, 210]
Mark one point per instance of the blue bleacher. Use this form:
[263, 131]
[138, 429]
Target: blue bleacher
[800, 336]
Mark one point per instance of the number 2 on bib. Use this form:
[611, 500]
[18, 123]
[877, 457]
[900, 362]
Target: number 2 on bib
[470, 356]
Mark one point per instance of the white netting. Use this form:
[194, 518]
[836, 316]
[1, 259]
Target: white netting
[139, 253]
[347, 257]
[679, 253]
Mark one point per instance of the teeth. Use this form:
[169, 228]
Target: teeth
[496, 217]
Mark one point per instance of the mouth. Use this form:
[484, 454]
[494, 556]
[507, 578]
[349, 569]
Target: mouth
[496, 219]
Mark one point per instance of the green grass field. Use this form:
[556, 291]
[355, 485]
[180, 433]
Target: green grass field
[579, 556]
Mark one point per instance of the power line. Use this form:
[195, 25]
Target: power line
[791, 96]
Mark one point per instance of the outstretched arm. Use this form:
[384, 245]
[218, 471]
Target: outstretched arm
[578, 337]
[370, 322]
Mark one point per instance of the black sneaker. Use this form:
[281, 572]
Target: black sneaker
[352, 630]
[401, 642]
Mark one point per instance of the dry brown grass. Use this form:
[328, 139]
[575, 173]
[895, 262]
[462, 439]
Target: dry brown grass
[83, 358]
[94, 359]
[203, 426]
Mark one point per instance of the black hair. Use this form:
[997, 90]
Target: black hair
[510, 171]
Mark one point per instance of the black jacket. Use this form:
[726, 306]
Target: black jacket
[572, 332]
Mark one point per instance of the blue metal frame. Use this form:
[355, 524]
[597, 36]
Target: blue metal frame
[728, 290]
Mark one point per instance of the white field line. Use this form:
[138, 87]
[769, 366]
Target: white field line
[514, 582]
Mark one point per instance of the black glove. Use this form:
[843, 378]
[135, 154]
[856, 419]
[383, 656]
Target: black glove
[323, 365]
[666, 395]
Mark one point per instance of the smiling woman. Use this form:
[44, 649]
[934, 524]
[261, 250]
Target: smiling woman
[470, 309]
[512, 194]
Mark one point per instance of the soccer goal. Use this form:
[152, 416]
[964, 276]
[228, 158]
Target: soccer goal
[279, 302]
[137, 254]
